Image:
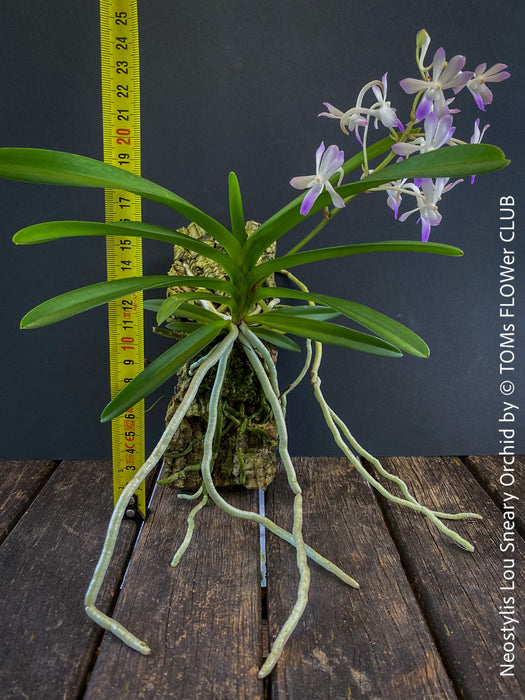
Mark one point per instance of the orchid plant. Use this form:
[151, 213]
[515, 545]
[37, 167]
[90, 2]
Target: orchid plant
[418, 160]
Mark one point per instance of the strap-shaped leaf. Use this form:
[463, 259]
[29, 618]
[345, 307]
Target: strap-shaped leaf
[318, 312]
[277, 339]
[324, 332]
[161, 369]
[174, 330]
[236, 210]
[262, 271]
[54, 230]
[185, 310]
[174, 301]
[153, 304]
[452, 161]
[196, 313]
[58, 168]
[85, 298]
[380, 324]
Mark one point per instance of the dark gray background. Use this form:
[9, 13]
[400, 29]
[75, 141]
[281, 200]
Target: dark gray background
[236, 85]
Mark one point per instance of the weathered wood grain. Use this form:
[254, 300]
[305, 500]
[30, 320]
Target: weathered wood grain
[462, 593]
[20, 481]
[48, 644]
[202, 619]
[367, 643]
[497, 478]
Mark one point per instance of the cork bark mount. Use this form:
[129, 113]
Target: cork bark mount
[245, 439]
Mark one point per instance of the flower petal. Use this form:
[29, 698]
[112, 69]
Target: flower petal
[423, 107]
[453, 67]
[337, 200]
[318, 156]
[411, 85]
[331, 161]
[438, 63]
[405, 149]
[302, 182]
[310, 198]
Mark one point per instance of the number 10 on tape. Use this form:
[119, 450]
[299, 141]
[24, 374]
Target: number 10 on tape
[121, 127]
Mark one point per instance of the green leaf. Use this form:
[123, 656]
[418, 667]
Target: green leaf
[174, 301]
[161, 369]
[58, 168]
[321, 313]
[383, 326]
[153, 304]
[181, 326]
[325, 332]
[85, 298]
[452, 161]
[185, 310]
[277, 339]
[236, 210]
[196, 312]
[263, 270]
[54, 230]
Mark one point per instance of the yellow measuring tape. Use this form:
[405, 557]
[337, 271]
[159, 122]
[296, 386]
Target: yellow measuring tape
[121, 126]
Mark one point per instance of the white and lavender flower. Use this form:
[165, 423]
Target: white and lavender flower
[381, 110]
[476, 138]
[348, 121]
[445, 75]
[328, 162]
[481, 76]
[427, 198]
[438, 132]
[394, 196]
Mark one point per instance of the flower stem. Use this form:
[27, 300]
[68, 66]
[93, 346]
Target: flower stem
[320, 226]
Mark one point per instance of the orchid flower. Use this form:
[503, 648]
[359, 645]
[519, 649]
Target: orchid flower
[444, 76]
[476, 138]
[438, 131]
[395, 196]
[382, 110]
[357, 116]
[427, 197]
[348, 121]
[328, 162]
[477, 84]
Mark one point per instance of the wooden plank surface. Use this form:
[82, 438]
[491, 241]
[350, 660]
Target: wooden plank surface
[426, 623]
[498, 478]
[202, 619]
[367, 643]
[462, 593]
[48, 644]
[20, 481]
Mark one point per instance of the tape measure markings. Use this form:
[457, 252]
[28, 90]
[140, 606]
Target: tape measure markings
[121, 131]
